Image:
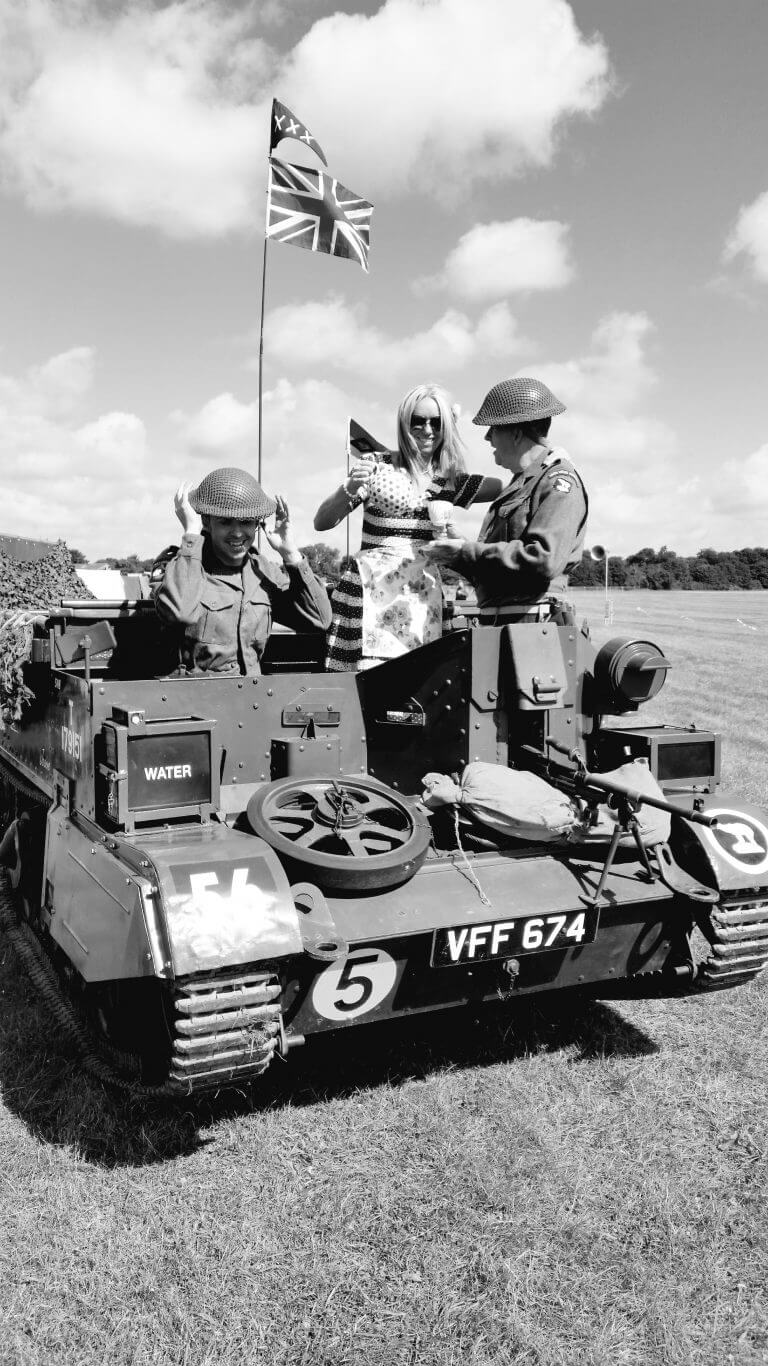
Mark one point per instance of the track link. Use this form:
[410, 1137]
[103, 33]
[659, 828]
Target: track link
[225, 1028]
[737, 931]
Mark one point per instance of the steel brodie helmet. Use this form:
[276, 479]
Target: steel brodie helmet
[517, 400]
[231, 492]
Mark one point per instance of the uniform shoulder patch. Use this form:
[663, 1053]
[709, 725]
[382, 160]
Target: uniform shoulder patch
[562, 483]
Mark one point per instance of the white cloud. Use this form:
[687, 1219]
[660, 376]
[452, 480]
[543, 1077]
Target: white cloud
[725, 507]
[333, 333]
[54, 387]
[439, 95]
[646, 488]
[143, 115]
[156, 115]
[84, 479]
[741, 496]
[496, 259]
[224, 429]
[750, 237]
[629, 457]
[118, 441]
[304, 457]
[612, 377]
[94, 479]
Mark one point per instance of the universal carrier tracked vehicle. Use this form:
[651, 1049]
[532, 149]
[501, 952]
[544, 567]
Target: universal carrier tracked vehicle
[204, 871]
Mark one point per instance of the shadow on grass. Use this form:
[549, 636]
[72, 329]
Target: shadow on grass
[45, 1086]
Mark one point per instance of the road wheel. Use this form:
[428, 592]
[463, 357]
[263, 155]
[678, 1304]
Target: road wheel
[354, 833]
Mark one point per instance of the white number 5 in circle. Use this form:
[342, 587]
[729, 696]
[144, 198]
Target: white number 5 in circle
[355, 986]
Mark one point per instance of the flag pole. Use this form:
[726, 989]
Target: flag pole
[261, 346]
[348, 459]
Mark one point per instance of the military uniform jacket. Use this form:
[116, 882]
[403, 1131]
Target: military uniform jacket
[227, 613]
[532, 533]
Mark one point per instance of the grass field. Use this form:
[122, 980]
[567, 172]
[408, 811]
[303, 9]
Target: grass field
[718, 646]
[555, 1184]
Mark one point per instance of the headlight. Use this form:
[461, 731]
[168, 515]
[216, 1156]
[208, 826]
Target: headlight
[628, 672]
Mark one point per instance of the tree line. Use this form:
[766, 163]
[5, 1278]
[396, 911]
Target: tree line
[647, 568]
[663, 569]
[324, 560]
[720, 569]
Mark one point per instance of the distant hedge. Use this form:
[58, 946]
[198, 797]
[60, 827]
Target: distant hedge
[720, 569]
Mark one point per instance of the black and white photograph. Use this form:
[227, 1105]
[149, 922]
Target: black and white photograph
[383, 657]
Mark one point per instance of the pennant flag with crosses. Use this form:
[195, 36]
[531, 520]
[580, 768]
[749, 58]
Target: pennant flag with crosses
[286, 125]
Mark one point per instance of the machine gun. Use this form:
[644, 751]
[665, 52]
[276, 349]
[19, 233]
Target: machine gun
[626, 801]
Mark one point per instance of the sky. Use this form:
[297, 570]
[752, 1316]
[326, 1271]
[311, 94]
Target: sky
[577, 192]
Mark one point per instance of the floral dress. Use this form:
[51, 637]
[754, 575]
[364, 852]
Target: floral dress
[389, 600]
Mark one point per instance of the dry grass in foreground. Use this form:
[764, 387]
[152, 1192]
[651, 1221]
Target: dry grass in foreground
[559, 1183]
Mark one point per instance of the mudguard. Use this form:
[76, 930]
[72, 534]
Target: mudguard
[225, 900]
[100, 910]
[732, 854]
[204, 898]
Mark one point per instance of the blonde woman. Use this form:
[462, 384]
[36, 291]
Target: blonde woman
[389, 600]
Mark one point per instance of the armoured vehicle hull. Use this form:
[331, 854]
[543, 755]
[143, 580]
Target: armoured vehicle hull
[201, 872]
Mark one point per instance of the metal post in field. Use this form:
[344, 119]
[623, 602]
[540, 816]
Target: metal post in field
[601, 555]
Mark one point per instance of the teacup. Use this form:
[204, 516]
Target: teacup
[439, 515]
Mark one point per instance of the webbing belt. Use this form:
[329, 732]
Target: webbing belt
[534, 611]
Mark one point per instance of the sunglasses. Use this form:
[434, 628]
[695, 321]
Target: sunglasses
[419, 424]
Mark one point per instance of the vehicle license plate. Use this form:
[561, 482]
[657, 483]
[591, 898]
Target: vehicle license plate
[511, 938]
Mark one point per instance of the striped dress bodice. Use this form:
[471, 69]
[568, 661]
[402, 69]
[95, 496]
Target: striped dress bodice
[396, 507]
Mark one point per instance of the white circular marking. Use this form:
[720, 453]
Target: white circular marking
[356, 986]
[740, 839]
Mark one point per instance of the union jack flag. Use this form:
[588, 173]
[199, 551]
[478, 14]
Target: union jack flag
[311, 209]
[286, 125]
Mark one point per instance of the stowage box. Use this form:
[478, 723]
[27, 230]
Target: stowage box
[680, 758]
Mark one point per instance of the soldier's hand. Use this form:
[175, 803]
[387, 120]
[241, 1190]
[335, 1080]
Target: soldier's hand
[190, 520]
[280, 536]
[444, 551]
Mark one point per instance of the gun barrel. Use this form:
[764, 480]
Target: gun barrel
[594, 780]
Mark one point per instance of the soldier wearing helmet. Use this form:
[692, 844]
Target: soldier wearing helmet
[222, 591]
[533, 531]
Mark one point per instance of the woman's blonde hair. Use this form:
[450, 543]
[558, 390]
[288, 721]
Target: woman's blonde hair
[449, 455]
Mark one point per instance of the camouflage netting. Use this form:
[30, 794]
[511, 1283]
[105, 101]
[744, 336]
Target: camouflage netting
[29, 590]
[39, 585]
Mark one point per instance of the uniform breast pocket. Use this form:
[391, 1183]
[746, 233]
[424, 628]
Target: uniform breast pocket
[512, 520]
[215, 624]
[259, 623]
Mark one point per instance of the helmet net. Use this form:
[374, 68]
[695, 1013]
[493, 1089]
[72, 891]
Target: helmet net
[517, 400]
[231, 492]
